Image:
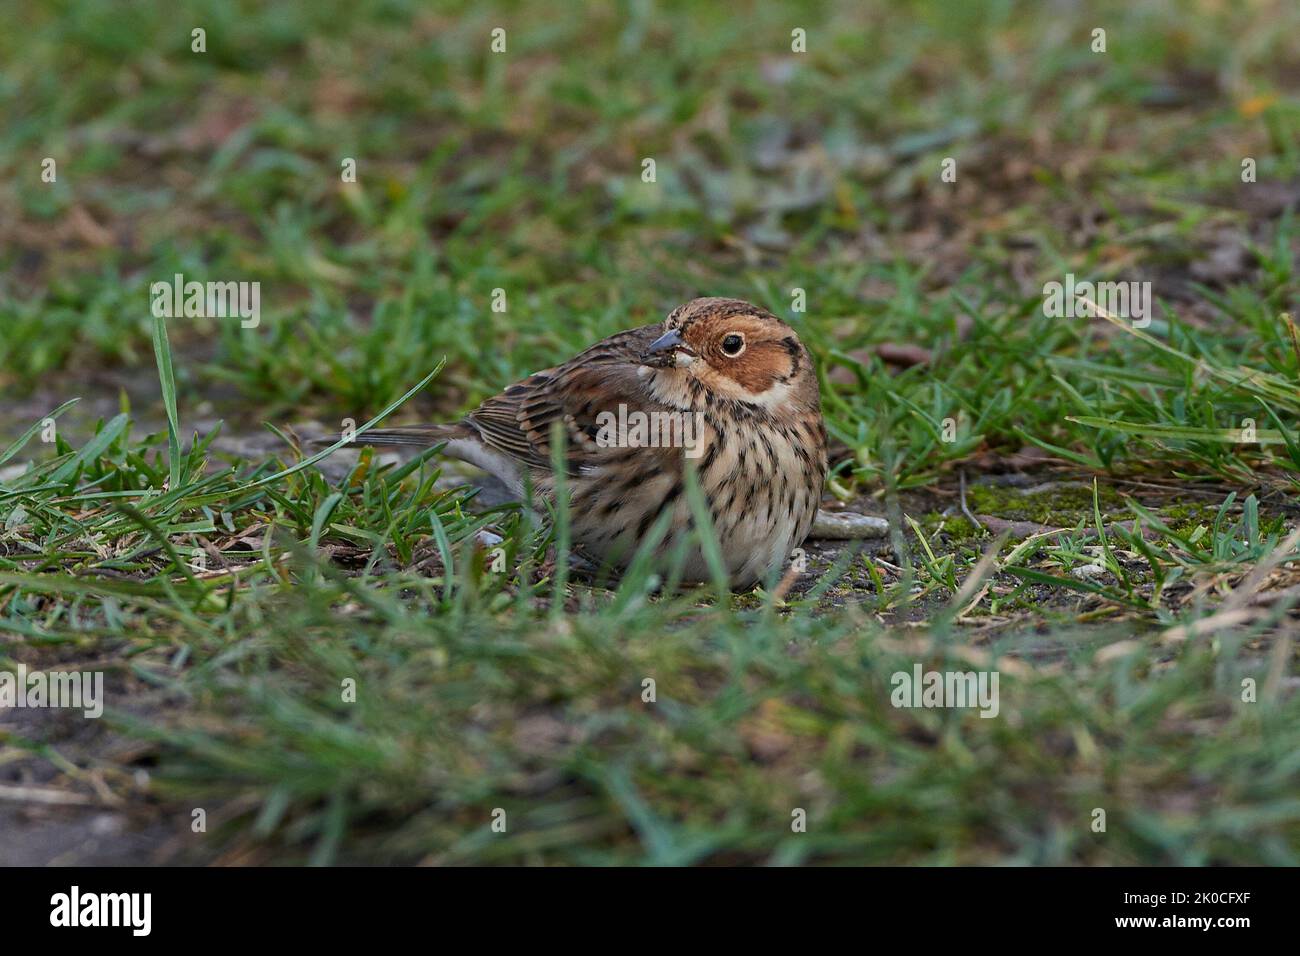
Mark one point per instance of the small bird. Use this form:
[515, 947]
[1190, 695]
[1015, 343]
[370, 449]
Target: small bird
[719, 382]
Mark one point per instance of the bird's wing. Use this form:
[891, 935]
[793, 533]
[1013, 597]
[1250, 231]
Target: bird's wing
[518, 421]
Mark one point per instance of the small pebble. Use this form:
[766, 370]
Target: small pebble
[107, 824]
[1086, 571]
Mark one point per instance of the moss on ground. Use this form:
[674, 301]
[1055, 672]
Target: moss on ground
[1054, 504]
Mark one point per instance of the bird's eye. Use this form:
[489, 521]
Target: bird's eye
[733, 344]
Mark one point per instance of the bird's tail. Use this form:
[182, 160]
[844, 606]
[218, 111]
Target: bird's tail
[422, 436]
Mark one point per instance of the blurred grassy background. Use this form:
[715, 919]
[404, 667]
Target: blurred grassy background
[521, 171]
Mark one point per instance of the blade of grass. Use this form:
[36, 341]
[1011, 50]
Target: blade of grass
[163, 356]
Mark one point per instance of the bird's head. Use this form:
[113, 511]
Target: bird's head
[735, 350]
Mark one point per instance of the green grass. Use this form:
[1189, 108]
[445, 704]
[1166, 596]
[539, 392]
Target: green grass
[231, 594]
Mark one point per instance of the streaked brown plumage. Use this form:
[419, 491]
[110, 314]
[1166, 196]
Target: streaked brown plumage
[760, 453]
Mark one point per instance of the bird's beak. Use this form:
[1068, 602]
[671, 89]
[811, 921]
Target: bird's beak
[668, 349]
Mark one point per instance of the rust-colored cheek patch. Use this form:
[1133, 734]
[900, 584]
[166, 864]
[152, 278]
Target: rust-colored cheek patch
[757, 370]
